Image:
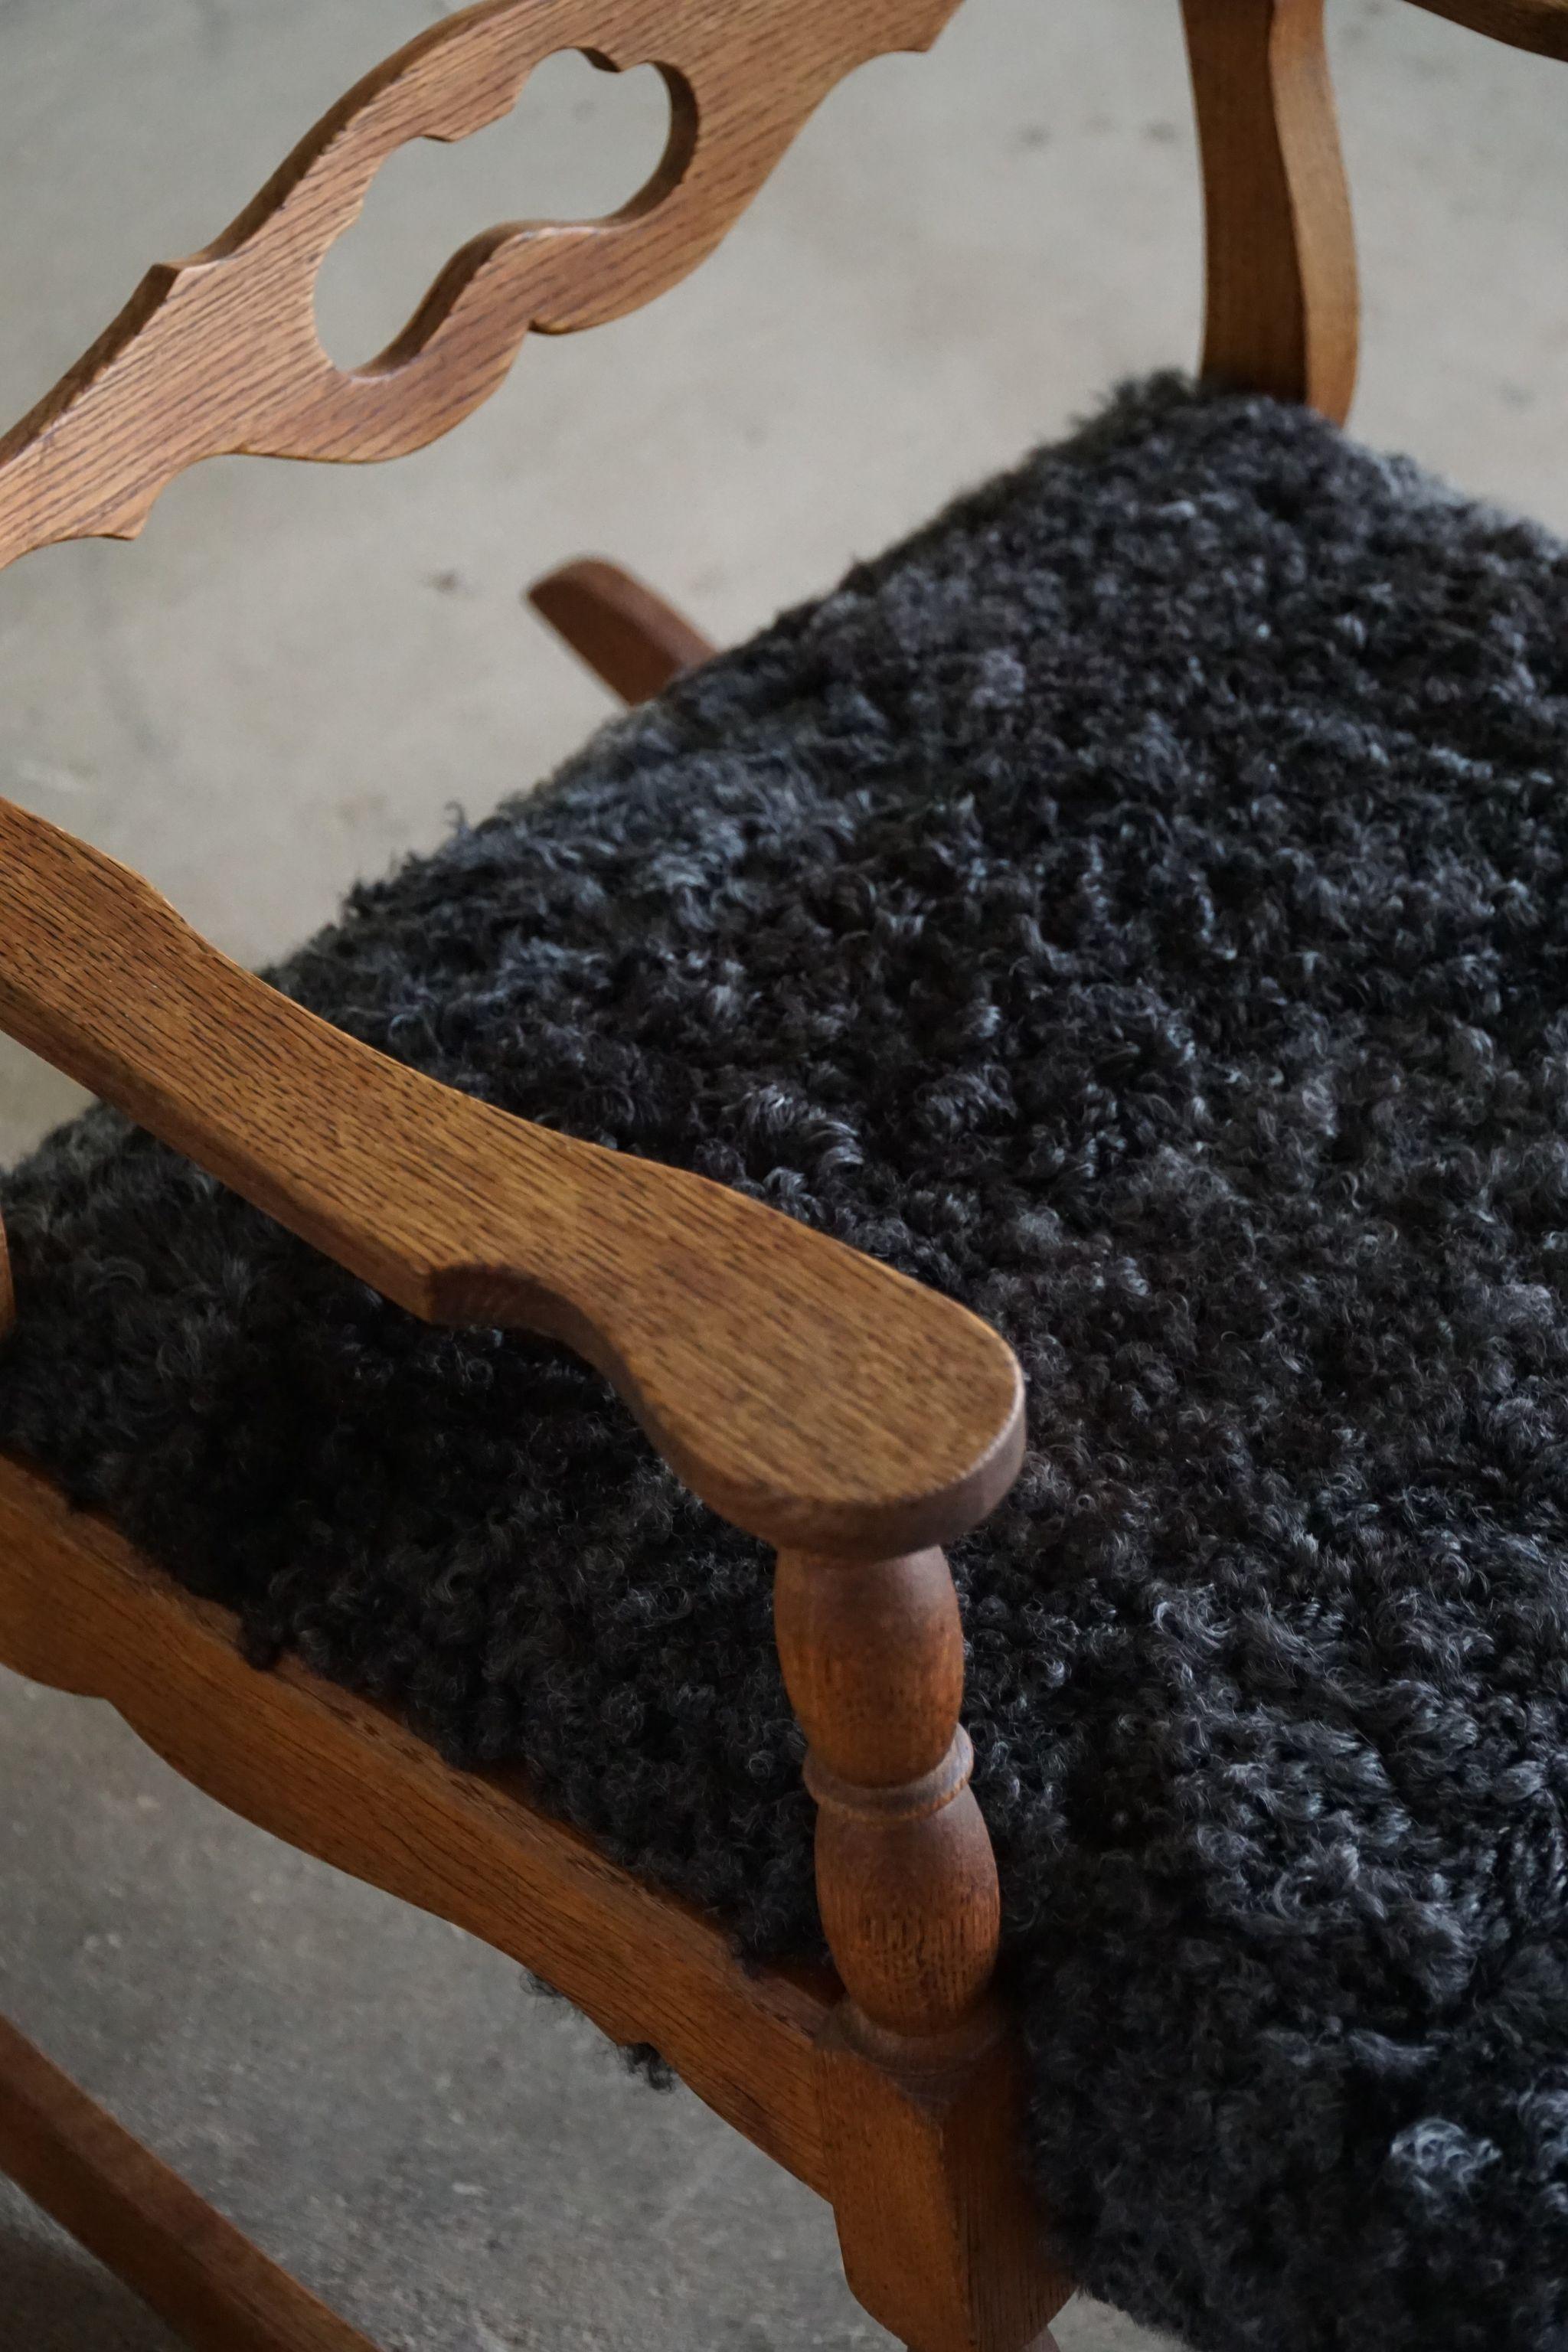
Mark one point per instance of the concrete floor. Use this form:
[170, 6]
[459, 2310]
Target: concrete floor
[295, 675]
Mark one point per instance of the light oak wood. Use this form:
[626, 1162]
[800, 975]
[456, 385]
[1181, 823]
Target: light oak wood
[920, 2151]
[940, 2233]
[186, 2261]
[221, 353]
[873, 1660]
[1283, 305]
[462, 1211]
[623, 633]
[809, 1394]
[814, 1398]
[340, 1777]
[1538, 25]
[922, 2100]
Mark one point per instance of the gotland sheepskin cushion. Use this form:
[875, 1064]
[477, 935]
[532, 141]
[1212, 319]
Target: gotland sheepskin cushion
[1136, 907]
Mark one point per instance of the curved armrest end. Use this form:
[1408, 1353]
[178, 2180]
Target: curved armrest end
[810, 1395]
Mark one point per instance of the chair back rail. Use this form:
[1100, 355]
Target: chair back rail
[220, 354]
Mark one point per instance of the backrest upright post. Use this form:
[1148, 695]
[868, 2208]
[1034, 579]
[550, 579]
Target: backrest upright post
[1282, 299]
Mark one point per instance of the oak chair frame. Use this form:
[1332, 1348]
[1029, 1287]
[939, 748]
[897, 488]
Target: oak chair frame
[851, 1421]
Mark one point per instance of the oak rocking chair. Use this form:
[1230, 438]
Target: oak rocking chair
[821, 1402]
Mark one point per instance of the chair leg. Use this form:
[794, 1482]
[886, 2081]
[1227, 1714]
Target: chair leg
[921, 2082]
[193, 2268]
[938, 2226]
[937, 2230]
[627, 636]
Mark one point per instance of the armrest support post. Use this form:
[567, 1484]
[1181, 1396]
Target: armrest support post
[873, 1660]
[920, 2084]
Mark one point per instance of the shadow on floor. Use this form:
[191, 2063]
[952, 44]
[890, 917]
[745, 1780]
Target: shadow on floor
[55, 2298]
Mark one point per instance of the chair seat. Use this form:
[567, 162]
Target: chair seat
[1135, 907]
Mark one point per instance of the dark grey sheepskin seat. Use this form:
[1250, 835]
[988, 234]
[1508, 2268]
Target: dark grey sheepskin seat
[1137, 907]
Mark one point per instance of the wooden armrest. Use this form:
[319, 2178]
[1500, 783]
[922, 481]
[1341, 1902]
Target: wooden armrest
[815, 1398]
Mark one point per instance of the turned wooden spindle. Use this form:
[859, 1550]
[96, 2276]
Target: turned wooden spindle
[873, 1659]
[921, 2085]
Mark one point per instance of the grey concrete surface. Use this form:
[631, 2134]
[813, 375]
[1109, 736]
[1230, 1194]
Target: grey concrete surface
[297, 673]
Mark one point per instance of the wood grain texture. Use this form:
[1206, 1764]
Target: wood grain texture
[873, 1661]
[1538, 25]
[186, 2262]
[220, 354]
[624, 634]
[340, 1777]
[942, 2239]
[807, 1393]
[1283, 307]
[921, 2088]
[921, 2154]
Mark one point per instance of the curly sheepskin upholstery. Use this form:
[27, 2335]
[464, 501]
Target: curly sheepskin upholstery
[1137, 907]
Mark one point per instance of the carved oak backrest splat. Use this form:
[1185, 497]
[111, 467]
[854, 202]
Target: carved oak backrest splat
[220, 354]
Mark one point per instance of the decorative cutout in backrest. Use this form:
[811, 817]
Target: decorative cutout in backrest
[219, 355]
[579, 144]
